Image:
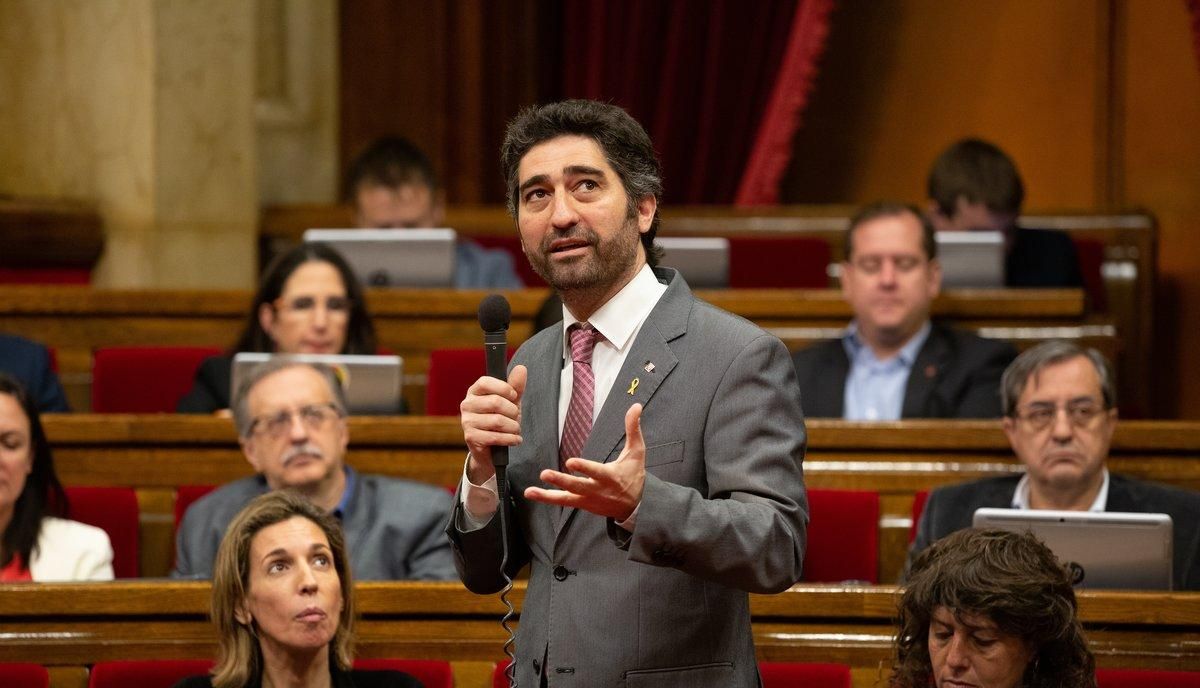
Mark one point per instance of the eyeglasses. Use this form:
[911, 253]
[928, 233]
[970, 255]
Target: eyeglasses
[306, 306]
[1082, 414]
[276, 425]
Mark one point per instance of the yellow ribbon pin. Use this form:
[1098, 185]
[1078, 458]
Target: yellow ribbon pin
[633, 386]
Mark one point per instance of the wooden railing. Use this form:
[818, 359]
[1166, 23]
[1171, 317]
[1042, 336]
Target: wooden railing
[68, 627]
[157, 453]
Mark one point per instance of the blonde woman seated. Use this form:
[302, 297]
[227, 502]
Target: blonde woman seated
[38, 543]
[282, 602]
[990, 609]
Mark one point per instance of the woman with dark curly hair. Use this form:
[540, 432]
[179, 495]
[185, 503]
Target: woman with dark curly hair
[990, 609]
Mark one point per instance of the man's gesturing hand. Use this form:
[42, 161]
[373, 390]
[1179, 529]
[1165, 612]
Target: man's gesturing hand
[491, 417]
[612, 489]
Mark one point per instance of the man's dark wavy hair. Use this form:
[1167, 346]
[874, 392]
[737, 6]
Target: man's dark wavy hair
[625, 144]
[1009, 578]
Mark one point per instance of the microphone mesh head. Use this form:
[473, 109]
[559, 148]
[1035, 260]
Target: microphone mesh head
[494, 313]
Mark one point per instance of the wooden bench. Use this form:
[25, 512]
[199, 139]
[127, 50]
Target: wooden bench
[68, 627]
[157, 453]
[411, 323]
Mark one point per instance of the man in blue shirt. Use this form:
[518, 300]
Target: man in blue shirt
[393, 186]
[893, 362]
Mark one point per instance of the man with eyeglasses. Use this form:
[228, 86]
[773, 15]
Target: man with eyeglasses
[291, 423]
[893, 362]
[1060, 410]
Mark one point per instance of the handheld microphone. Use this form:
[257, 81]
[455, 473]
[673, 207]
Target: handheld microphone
[494, 317]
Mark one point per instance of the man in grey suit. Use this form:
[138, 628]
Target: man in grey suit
[691, 493]
[1060, 411]
[291, 421]
[894, 362]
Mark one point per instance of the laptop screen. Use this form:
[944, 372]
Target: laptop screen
[371, 383]
[394, 257]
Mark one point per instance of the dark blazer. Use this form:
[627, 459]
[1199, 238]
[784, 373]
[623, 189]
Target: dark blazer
[956, 375]
[210, 390]
[341, 679]
[29, 363]
[1042, 258]
[723, 512]
[952, 508]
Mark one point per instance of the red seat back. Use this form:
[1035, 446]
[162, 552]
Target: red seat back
[432, 673]
[918, 508]
[24, 676]
[115, 511]
[45, 276]
[1090, 254]
[1146, 678]
[795, 675]
[843, 536]
[149, 673]
[778, 263]
[185, 495]
[144, 379]
[499, 677]
[451, 374]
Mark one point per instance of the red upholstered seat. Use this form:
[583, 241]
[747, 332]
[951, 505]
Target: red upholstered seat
[149, 673]
[451, 373]
[433, 673]
[24, 676]
[778, 263]
[185, 495]
[1146, 678]
[499, 678]
[115, 511]
[918, 508]
[798, 675]
[45, 276]
[843, 536]
[144, 379]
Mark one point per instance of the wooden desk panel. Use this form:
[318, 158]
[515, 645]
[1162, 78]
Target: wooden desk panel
[69, 626]
[157, 453]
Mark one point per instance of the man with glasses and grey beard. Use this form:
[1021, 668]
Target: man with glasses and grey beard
[291, 423]
[1060, 410]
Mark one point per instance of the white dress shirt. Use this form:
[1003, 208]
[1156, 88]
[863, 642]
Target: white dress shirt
[618, 322]
[1020, 498]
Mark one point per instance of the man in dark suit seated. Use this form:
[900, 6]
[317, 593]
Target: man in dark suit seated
[1060, 410]
[29, 363]
[291, 423]
[393, 186]
[974, 185]
[893, 362]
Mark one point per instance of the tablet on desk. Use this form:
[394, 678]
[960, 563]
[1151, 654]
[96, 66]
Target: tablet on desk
[971, 259]
[394, 257]
[371, 383]
[1113, 549]
[703, 261]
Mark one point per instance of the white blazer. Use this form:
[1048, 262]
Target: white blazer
[71, 551]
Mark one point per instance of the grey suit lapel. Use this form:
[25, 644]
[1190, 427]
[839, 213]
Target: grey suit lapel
[539, 415]
[652, 348]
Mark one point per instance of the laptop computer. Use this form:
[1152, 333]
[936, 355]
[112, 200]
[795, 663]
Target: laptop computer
[394, 257]
[703, 261]
[371, 383]
[971, 259]
[1112, 549]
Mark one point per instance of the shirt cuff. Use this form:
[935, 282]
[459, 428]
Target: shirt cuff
[628, 524]
[479, 502]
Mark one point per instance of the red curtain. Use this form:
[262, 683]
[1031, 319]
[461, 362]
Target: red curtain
[698, 75]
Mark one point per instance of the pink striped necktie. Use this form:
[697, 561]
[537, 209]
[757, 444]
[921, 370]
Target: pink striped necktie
[578, 424]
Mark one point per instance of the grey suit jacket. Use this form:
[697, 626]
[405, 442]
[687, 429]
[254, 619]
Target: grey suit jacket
[952, 508]
[956, 374]
[392, 527]
[723, 511]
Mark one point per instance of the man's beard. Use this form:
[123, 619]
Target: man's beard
[612, 258]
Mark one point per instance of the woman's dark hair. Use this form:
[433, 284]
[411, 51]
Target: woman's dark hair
[360, 332]
[43, 494]
[1011, 579]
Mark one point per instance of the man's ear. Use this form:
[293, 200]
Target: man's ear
[248, 450]
[645, 212]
